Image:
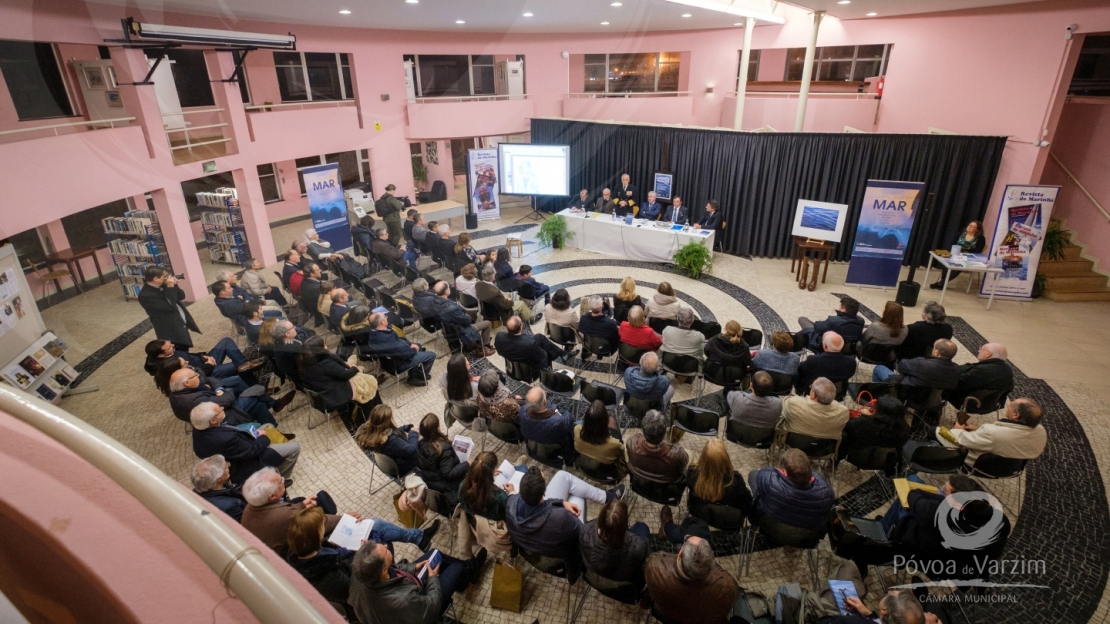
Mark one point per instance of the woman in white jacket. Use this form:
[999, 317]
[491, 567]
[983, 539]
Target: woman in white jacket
[663, 304]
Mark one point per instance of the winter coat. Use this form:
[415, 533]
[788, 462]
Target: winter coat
[441, 470]
[800, 507]
[662, 306]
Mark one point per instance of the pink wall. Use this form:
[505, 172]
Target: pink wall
[449, 120]
[824, 113]
[772, 65]
[655, 110]
[1083, 144]
[441, 171]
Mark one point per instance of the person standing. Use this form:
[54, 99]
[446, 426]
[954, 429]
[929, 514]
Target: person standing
[626, 195]
[389, 209]
[161, 298]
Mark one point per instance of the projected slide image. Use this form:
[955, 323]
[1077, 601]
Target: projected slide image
[528, 169]
[819, 218]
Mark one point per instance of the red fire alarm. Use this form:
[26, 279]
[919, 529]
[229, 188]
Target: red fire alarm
[879, 86]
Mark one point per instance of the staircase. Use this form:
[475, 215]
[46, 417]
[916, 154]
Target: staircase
[1074, 278]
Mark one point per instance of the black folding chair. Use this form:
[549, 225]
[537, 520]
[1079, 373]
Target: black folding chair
[695, 420]
[522, 372]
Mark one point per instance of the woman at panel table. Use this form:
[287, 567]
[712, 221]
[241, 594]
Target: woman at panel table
[971, 242]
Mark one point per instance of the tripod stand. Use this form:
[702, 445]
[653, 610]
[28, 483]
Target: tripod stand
[535, 215]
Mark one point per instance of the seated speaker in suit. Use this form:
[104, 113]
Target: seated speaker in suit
[651, 209]
[581, 202]
[711, 220]
[676, 212]
[605, 203]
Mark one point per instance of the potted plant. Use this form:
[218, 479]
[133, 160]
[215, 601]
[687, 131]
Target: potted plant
[554, 231]
[1053, 249]
[695, 258]
[419, 175]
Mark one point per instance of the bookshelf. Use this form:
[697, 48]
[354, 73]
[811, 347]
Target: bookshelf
[135, 241]
[223, 228]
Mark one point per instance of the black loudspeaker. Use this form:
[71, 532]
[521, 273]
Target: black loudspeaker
[907, 293]
[471, 221]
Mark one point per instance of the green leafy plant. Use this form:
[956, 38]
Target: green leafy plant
[554, 231]
[1039, 283]
[695, 258]
[1056, 242]
[419, 173]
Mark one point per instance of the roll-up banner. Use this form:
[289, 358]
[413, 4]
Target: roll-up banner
[1016, 245]
[326, 205]
[885, 222]
[481, 173]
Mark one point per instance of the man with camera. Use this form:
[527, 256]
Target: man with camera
[161, 298]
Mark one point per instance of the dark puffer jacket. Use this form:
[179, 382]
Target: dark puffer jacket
[441, 469]
[329, 572]
[801, 507]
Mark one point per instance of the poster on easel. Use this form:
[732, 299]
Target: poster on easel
[883, 232]
[481, 174]
[1016, 245]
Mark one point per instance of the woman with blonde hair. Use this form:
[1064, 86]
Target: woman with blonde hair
[380, 435]
[728, 348]
[712, 479]
[468, 277]
[663, 304]
[636, 333]
[626, 299]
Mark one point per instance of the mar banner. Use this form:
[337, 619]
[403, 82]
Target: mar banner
[1016, 245]
[481, 172]
[327, 206]
[885, 222]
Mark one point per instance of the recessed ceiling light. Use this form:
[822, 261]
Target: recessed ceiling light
[738, 24]
[872, 14]
[616, 4]
[412, 1]
[528, 15]
[345, 12]
[605, 23]
[686, 15]
[460, 21]
[845, 2]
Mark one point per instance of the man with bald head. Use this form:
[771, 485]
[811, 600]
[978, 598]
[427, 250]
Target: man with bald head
[644, 382]
[1017, 435]
[933, 371]
[991, 375]
[818, 415]
[534, 350]
[830, 363]
[542, 423]
[690, 586]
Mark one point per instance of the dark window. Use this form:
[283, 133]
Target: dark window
[753, 67]
[190, 75]
[839, 63]
[28, 246]
[327, 75]
[1092, 71]
[481, 70]
[647, 72]
[84, 230]
[309, 161]
[267, 178]
[207, 184]
[34, 80]
[348, 167]
[444, 75]
[290, 75]
[323, 76]
[364, 165]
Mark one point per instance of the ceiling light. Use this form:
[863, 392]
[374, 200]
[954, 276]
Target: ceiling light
[714, 5]
[872, 14]
[528, 15]
[616, 4]
[460, 21]
[412, 1]
[605, 23]
[686, 15]
[738, 24]
[845, 2]
[345, 12]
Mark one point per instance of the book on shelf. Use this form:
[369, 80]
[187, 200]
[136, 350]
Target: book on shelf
[123, 225]
[217, 218]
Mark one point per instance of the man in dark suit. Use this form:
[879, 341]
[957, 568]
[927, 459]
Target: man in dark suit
[676, 212]
[990, 375]
[310, 292]
[934, 371]
[212, 363]
[597, 325]
[410, 220]
[473, 336]
[161, 298]
[582, 202]
[845, 322]
[288, 339]
[534, 350]
[211, 481]
[246, 452]
[831, 364]
[339, 307]
[187, 392]
[651, 209]
[711, 220]
[292, 265]
[406, 356]
[230, 306]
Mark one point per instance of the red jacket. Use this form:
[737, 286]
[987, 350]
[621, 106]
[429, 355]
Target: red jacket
[642, 337]
[295, 283]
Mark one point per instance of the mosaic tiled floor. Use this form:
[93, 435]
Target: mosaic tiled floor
[1064, 517]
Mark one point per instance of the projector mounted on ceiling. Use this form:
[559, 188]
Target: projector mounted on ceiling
[141, 32]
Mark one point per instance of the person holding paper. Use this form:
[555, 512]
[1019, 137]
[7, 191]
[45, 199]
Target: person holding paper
[438, 463]
[900, 607]
[478, 493]
[582, 202]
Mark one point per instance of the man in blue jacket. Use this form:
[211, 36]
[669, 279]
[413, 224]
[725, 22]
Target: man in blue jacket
[676, 212]
[211, 477]
[542, 423]
[645, 383]
[845, 322]
[474, 336]
[792, 495]
[651, 209]
[406, 356]
[246, 452]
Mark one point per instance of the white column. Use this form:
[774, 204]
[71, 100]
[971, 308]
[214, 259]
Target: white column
[807, 71]
[742, 84]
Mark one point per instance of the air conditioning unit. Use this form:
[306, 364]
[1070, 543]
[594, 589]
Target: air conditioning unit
[410, 81]
[509, 79]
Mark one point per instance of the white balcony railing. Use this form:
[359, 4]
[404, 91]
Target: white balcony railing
[265, 108]
[787, 95]
[465, 98]
[629, 94]
[91, 125]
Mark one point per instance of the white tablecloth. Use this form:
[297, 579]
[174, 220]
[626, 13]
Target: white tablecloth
[640, 241]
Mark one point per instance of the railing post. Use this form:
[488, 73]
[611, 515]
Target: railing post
[742, 84]
[807, 71]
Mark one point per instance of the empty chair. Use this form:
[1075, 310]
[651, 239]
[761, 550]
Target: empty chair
[932, 459]
[600, 347]
[781, 383]
[387, 466]
[546, 454]
[883, 461]
[556, 567]
[996, 467]
[468, 303]
[752, 337]
[507, 432]
[593, 470]
[521, 371]
[727, 377]
[593, 390]
[682, 366]
[637, 408]
[748, 436]
[695, 420]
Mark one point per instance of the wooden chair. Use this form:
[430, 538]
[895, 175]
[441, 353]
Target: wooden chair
[49, 276]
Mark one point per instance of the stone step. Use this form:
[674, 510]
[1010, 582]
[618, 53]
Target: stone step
[1092, 295]
[1073, 252]
[1066, 268]
[1076, 284]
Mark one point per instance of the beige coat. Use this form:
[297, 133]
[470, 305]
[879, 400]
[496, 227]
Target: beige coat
[1006, 438]
[808, 417]
[662, 306]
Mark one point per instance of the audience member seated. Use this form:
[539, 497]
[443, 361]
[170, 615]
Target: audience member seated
[845, 322]
[318, 248]
[254, 283]
[542, 423]
[230, 306]
[419, 229]
[896, 607]
[755, 407]
[252, 312]
[682, 340]
[546, 518]
[888, 330]
[340, 299]
[645, 382]
[626, 299]
[778, 359]
[422, 298]
[885, 428]
[409, 223]
[246, 452]
[467, 280]
[323, 302]
[355, 326]
[461, 250]
[535, 350]
[818, 415]
[325, 566]
[934, 371]
[792, 494]
[635, 331]
[291, 274]
[337, 382]
[380, 435]
[384, 248]
[598, 438]
[559, 311]
[385, 591]
[691, 587]
[711, 479]
[404, 355]
[729, 349]
[663, 304]
[490, 294]
[310, 291]
[439, 464]
[211, 479]
[478, 494]
[597, 325]
[223, 360]
[266, 340]
[1017, 435]
[458, 385]
[922, 335]
[612, 549]
[363, 232]
[524, 276]
[288, 340]
[474, 336]
[651, 457]
[990, 375]
[502, 266]
[495, 401]
[829, 363]
[269, 513]
[187, 392]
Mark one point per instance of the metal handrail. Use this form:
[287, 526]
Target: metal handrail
[628, 94]
[94, 122]
[194, 112]
[300, 104]
[1080, 185]
[467, 98]
[241, 568]
[788, 94]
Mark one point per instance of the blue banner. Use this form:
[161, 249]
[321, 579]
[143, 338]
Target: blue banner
[885, 222]
[327, 206]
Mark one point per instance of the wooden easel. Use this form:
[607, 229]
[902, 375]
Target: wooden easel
[822, 252]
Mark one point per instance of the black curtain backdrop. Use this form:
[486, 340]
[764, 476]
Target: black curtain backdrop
[759, 177]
